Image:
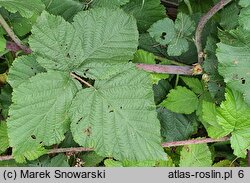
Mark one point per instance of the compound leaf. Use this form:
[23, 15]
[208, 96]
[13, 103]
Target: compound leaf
[117, 117]
[38, 115]
[175, 35]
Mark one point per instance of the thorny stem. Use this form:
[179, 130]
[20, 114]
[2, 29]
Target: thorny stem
[167, 69]
[12, 35]
[201, 25]
[80, 79]
[167, 144]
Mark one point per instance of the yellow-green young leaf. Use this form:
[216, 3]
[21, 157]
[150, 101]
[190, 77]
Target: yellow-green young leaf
[234, 60]
[224, 163]
[195, 155]
[209, 120]
[23, 68]
[38, 115]
[233, 116]
[181, 100]
[26, 8]
[98, 35]
[117, 117]
[145, 57]
[3, 137]
[112, 163]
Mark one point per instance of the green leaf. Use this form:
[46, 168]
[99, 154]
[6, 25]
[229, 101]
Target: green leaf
[65, 8]
[108, 3]
[113, 38]
[195, 155]
[26, 8]
[234, 117]
[91, 159]
[209, 120]
[48, 96]
[145, 57]
[146, 12]
[161, 89]
[215, 84]
[244, 18]
[117, 117]
[244, 3]
[2, 43]
[232, 10]
[174, 127]
[223, 163]
[163, 31]
[240, 142]
[233, 55]
[233, 114]
[112, 163]
[194, 84]
[5, 100]
[181, 100]
[59, 161]
[173, 34]
[3, 137]
[23, 68]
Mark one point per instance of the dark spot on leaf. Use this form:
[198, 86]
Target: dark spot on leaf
[243, 81]
[121, 107]
[35, 73]
[56, 65]
[163, 35]
[68, 55]
[84, 74]
[108, 106]
[41, 142]
[88, 131]
[86, 70]
[32, 68]
[79, 120]
[33, 136]
[111, 111]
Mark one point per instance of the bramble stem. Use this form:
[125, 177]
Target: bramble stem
[167, 69]
[167, 144]
[12, 35]
[204, 19]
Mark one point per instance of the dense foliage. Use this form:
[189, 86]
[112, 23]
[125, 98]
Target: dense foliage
[82, 86]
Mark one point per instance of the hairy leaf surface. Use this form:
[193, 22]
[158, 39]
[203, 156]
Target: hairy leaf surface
[234, 58]
[38, 115]
[181, 100]
[98, 35]
[117, 117]
[195, 155]
[23, 68]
